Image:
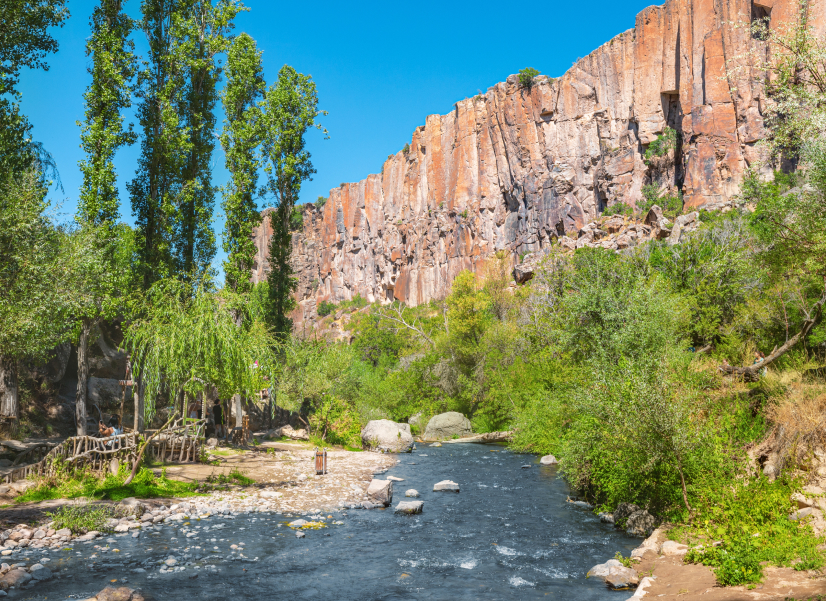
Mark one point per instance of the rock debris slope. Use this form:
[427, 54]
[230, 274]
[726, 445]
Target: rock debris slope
[517, 168]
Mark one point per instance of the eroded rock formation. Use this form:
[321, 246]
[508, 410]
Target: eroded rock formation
[517, 168]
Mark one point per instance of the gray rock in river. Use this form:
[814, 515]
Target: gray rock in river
[640, 523]
[40, 572]
[447, 425]
[299, 534]
[387, 436]
[446, 486]
[601, 570]
[380, 491]
[410, 507]
[548, 460]
[622, 578]
[411, 493]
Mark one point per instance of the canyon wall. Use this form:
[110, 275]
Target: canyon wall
[515, 168]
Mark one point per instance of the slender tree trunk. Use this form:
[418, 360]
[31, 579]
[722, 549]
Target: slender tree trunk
[9, 390]
[239, 410]
[137, 395]
[82, 376]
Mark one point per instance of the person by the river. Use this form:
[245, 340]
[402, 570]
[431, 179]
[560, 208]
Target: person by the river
[218, 416]
[194, 410]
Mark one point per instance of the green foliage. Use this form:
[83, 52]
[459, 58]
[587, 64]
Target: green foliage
[671, 204]
[32, 312]
[753, 523]
[526, 77]
[324, 308]
[320, 202]
[619, 208]
[82, 518]
[296, 220]
[662, 144]
[290, 109]
[113, 66]
[193, 339]
[406, 148]
[235, 476]
[240, 140]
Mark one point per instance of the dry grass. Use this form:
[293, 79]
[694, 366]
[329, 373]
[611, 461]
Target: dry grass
[798, 412]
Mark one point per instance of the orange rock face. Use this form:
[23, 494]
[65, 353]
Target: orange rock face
[516, 168]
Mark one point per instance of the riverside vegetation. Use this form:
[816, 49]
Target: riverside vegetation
[635, 368]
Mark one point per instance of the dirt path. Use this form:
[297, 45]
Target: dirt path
[690, 582]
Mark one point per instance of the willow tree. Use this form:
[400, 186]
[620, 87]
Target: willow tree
[193, 339]
[290, 109]
[240, 139]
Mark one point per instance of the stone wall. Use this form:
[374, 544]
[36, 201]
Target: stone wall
[515, 168]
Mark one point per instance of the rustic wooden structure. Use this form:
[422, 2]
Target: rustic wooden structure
[87, 452]
[181, 442]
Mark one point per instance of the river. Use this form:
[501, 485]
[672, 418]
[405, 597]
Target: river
[509, 534]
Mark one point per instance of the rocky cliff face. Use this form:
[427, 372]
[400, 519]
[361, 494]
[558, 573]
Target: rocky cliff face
[517, 168]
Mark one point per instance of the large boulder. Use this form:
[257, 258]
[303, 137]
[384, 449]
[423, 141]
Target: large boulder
[380, 492]
[387, 436]
[447, 425]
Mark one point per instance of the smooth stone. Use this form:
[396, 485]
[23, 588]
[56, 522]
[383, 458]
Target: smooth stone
[526, 467]
[548, 460]
[602, 570]
[410, 507]
[411, 493]
[801, 513]
[395, 479]
[622, 577]
[299, 534]
[674, 549]
[446, 486]
[298, 523]
[380, 491]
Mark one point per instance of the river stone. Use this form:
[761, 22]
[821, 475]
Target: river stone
[624, 511]
[446, 486]
[395, 479]
[641, 523]
[548, 460]
[447, 425]
[601, 570]
[410, 507]
[411, 493]
[111, 593]
[299, 534]
[380, 491]
[298, 523]
[17, 577]
[40, 572]
[622, 577]
[388, 436]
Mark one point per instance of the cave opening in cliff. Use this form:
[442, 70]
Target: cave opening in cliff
[673, 113]
[760, 15]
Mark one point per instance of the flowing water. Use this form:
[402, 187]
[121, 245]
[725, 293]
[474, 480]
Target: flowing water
[509, 534]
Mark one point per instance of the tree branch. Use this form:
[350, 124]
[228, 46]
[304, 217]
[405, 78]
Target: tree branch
[750, 373]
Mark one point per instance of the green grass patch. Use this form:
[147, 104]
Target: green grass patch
[146, 485]
[236, 476]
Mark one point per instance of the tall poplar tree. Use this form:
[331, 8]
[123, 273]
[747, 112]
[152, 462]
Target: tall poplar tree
[240, 140]
[173, 195]
[95, 278]
[290, 109]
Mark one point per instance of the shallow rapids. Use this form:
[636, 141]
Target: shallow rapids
[509, 534]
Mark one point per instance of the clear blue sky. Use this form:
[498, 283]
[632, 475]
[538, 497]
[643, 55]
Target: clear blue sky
[380, 68]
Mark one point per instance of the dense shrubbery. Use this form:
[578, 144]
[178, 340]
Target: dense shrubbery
[526, 76]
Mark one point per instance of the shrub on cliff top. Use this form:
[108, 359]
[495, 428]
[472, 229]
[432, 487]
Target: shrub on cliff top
[662, 144]
[526, 76]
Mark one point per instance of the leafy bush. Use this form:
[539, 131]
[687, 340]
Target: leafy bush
[296, 219]
[406, 148]
[619, 208]
[662, 144]
[671, 204]
[526, 77]
[752, 521]
[324, 308]
[82, 518]
[320, 202]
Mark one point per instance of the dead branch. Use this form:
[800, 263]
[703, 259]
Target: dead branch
[750, 373]
[399, 318]
[138, 459]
